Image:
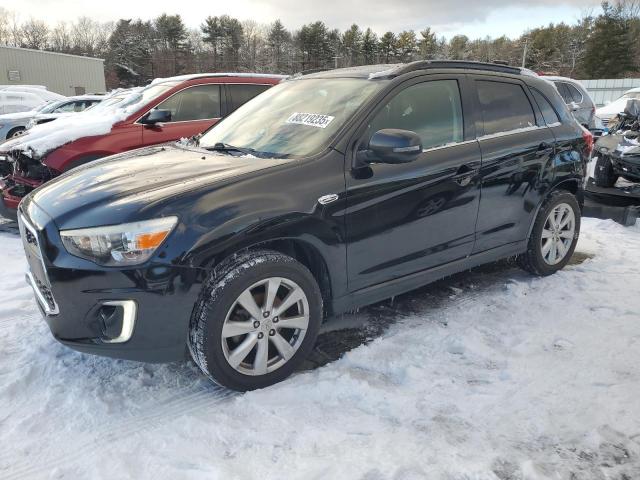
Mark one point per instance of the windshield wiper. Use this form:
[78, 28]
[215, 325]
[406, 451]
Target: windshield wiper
[225, 147]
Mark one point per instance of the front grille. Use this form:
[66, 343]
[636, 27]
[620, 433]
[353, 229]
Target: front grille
[605, 122]
[38, 271]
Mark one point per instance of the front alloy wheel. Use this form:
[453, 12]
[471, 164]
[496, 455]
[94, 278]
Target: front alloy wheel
[256, 320]
[265, 326]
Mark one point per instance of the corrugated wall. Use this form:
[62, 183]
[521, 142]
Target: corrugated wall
[64, 74]
[609, 89]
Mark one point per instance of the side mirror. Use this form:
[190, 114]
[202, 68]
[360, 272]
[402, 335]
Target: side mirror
[156, 116]
[392, 146]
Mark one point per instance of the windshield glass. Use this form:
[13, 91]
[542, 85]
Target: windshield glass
[294, 119]
[631, 95]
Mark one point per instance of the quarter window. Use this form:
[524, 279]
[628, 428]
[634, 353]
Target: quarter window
[194, 103]
[241, 94]
[575, 93]
[433, 110]
[548, 113]
[504, 106]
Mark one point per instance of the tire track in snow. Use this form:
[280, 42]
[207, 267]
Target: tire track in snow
[84, 445]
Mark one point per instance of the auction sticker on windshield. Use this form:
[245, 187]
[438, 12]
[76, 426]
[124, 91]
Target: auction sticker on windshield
[310, 119]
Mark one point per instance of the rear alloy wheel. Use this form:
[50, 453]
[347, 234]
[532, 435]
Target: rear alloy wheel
[558, 234]
[256, 321]
[554, 235]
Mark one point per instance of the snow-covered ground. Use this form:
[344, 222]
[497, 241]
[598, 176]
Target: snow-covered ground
[490, 375]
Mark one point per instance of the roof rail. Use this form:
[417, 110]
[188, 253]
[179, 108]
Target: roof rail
[427, 64]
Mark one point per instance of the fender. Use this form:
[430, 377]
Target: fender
[571, 184]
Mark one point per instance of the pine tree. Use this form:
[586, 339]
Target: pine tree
[610, 48]
[428, 44]
[388, 47]
[369, 46]
[277, 40]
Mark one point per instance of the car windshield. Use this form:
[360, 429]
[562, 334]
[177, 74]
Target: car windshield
[631, 95]
[48, 107]
[136, 97]
[297, 118]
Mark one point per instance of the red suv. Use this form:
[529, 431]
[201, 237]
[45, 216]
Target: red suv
[166, 110]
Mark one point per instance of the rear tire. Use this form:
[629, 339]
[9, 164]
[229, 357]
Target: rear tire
[554, 235]
[243, 333]
[604, 174]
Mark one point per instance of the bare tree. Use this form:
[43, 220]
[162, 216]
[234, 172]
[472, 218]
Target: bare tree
[35, 34]
[61, 40]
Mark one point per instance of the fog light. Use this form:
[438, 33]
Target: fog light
[117, 320]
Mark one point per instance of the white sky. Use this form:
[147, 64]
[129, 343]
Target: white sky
[474, 19]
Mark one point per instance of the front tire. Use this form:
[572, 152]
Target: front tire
[604, 173]
[256, 320]
[15, 132]
[554, 235]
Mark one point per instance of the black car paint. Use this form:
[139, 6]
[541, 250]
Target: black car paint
[392, 228]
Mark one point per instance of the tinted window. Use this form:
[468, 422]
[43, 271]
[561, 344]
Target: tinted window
[575, 93]
[549, 114]
[241, 94]
[431, 109]
[504, 107]
[194, 103]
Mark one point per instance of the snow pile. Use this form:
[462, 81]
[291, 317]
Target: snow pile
[99, 120]
[494, 375]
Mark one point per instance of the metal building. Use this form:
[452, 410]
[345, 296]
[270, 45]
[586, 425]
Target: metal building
[603, 91]
[59, 72]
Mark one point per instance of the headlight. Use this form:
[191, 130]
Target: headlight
[126, 244]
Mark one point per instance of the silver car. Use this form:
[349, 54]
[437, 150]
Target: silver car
[577, 99]
[14, 124]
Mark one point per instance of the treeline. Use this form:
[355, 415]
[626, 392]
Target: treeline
[596, 46]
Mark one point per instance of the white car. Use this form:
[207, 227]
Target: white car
[609, 111]
[22, 98]
[70, 106]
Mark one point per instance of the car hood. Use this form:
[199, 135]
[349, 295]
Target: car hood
[16, 116]
[128, 186]
[613, 109]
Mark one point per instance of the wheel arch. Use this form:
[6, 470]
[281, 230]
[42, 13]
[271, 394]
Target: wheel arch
[303, 251]
[572, 185]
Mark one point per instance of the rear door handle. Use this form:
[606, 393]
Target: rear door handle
[544, 149]
[464, 175]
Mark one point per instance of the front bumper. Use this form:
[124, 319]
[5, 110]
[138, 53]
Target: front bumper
[155, 301]
[12, 190]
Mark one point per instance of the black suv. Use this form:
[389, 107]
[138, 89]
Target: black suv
[328, 192]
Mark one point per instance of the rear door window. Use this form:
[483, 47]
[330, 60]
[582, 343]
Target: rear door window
[193, 103]
[504, 107]
[548, 113]
[432, 109]
[241, 93]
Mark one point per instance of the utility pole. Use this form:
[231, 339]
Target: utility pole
[335, 61]
[524, 53]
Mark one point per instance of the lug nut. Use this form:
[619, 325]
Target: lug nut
[260, 335]
[276, 319]
[256, 324]
[272, 332]
[265, 314]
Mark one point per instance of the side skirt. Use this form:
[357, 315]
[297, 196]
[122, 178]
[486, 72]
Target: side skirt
[397, 286]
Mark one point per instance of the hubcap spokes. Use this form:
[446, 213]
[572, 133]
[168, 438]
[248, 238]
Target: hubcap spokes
[558, 234]
[265, 326]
